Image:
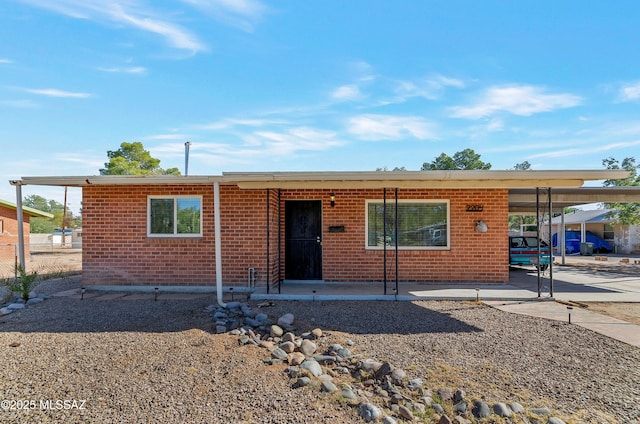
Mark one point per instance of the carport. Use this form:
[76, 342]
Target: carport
[546, 201]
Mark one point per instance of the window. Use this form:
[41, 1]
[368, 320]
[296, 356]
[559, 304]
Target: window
[421, 224]
[608, 232]
[177, 216]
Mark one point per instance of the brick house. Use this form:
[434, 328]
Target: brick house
[9, 228]
[434, 226]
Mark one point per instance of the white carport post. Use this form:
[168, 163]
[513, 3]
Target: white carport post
[20, 219]
[216, 224]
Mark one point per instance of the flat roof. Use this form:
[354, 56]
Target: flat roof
[352, 179]
[524, 200]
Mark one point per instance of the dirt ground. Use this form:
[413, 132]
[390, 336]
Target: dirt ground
[70, 260]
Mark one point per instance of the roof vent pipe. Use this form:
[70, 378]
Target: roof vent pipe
[186, 157]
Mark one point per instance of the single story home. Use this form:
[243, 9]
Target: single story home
[625, 239]
[9, 228]
[265, 229]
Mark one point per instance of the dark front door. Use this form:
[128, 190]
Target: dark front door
[303, 247]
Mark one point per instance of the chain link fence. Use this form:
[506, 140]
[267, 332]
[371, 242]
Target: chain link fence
[48, 260]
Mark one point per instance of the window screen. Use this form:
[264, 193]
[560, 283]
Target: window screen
[420, 224]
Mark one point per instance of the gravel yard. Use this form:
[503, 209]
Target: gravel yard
[146, 361]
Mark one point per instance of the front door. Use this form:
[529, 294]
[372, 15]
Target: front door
[303, 239]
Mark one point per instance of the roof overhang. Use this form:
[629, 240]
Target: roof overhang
[524, 200]
[419, 179]
[336, 180]
[27, 210]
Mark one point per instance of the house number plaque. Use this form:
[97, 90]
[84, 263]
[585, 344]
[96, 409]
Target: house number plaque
[475, 208]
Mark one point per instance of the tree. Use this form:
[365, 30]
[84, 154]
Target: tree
[466, 159]
[133, 159]
[628, 213]
[41, 225]
[396, 169]
[522, 166]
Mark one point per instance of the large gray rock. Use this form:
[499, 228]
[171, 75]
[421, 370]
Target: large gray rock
[6, 311]
[312, 366]
[480, 409]
[502, 410]
[516, 407]
[555, 420]
[278, 353]
[369, 412]
[286, 320]
[328, 386]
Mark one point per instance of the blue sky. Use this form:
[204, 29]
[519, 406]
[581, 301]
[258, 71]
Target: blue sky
[315, 85]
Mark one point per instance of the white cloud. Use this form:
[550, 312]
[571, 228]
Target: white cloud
[54, 92]
[429, 88]
[346, 93]
[131, 13]
[19, 104]
[630, 92]
[138, 70]
[294, 140]
[166, 137]
[522, 100]
[228, 123]
[584, 150]
[389, 127]
[6, 61]
[243, 14]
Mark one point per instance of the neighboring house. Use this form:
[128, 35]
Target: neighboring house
[9, 228]
[625, 239]
[239, 229]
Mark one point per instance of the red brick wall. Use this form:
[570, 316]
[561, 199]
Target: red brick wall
[473, 256]
[116, 249]
[9, 234]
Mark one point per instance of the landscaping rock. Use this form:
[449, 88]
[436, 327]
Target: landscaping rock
[502, 410]
[308, 348]
[328, 386]
[369, 412]
[276, 331]
[286, 320]
[480, 409]
[312, 366]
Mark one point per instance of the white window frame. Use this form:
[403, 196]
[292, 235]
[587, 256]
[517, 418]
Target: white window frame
[391, 206]
[175, 216]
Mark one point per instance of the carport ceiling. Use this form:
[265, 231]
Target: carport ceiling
[523, 200]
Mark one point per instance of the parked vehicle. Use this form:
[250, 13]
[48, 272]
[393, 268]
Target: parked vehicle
[523, 250]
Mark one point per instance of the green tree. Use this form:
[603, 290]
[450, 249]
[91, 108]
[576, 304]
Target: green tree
[464, 160]
[515, 221]
[41, 225]
[522, 166]
[628, 213]
[386, 169]
[133, 159]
